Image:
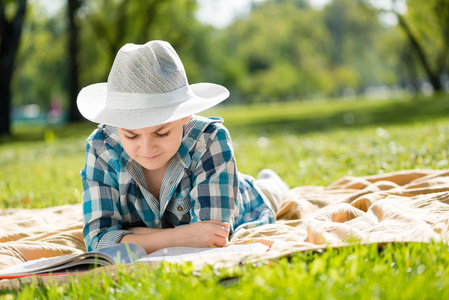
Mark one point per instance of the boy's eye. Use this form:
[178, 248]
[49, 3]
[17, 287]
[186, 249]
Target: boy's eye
[163, 134]
[131, 137]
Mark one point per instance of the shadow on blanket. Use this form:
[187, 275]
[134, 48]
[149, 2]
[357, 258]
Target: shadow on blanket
[405, 206]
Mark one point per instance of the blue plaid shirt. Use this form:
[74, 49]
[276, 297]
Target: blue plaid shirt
[201, 183]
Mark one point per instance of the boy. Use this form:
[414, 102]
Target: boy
[156, 174]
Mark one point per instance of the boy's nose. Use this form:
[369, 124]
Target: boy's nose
[149, 145]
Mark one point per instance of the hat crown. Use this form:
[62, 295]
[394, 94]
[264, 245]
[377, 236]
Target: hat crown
[152, 68]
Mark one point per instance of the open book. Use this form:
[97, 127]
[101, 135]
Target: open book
[118, 254]
[189, 254]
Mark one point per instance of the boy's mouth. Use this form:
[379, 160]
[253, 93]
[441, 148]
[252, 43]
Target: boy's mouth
[152, 157]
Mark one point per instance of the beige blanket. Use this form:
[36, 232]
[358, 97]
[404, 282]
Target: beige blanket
[405, 206]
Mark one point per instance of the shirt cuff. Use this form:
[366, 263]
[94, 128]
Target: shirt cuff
[111, 238]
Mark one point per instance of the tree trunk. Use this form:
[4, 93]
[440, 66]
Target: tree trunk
[10, 33]
[433, 76]
[72, 7]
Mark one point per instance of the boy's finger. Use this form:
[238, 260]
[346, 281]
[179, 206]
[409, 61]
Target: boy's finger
[220, 242]
[222, 232]
[223, 224]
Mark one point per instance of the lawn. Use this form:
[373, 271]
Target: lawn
[307, 143]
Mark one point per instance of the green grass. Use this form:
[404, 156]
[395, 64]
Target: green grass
[307, 143]
[40, 166]
[412, 271]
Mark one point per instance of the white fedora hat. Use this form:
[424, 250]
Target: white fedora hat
[147, 86]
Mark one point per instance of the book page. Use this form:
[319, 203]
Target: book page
[37, 265]
[115, 254]
[122, 253]
[188, 253]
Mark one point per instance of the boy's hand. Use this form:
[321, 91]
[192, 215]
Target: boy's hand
[205, 234]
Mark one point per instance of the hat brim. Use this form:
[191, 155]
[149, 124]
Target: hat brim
[92, 105]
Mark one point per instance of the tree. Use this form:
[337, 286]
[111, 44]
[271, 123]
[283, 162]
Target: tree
[10, 33]
[281, 59]
[113, 23]
[73, 86]
[79, 42]
[426, 25]
[42, 64]
[353, 28]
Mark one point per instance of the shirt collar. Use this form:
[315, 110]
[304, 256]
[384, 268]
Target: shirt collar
[192, 130]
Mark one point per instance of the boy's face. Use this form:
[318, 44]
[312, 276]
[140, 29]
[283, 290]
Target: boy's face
[153, 147]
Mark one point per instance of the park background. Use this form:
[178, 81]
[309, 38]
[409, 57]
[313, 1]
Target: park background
[263, 51]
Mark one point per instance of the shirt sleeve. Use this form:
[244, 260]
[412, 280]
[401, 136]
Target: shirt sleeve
[255, 208]
[102, 219]
[215, 182]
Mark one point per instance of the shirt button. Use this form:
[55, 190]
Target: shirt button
[179, 208]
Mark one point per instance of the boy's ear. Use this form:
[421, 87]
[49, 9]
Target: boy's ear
[187, 119]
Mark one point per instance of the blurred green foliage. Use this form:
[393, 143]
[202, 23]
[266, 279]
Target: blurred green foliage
[282, 50]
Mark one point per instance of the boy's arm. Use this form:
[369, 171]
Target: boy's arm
[220, 193]
[215, 183]
[102, 220]
[198, 235]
